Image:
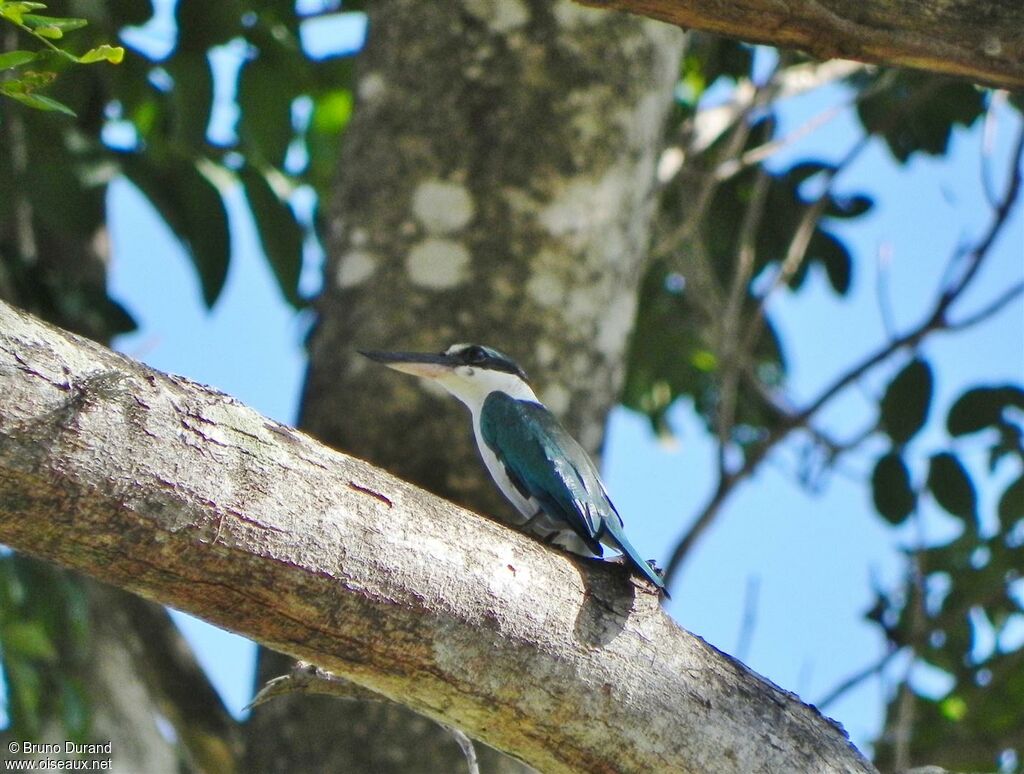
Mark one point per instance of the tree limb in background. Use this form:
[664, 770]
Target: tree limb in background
[310, 679]
[959, 39]
[180, 494]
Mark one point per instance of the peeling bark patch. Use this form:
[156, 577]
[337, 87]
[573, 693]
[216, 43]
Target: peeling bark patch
[556, 398]
[372, 87]
[615, 325]
[377, 495]
[991, 46]
[442, 207]
[499, 15]
[355, 268]
[571, 16]
[584, 204]
[438, 264]
[545, 289]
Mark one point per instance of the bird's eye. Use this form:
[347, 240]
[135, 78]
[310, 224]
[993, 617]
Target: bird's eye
[475, 355]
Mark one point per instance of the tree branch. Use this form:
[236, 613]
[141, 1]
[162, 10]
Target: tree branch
[856, 679]
[182, 495]
[305, 678]
[953, 38]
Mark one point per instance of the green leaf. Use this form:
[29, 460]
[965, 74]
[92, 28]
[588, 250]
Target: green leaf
[953, 708]
[279, 231]
[907, 400]
[25, 692]
[74, 707]
[916, 112]
[104, 53]
[265, 95]
[59, 23]
[891, 490]
[49, 32]
[849, 206]
[803, 171]
[39, 102]
[834, 255]
[982, 407]
[708, 58]
[16, 11]
[331, 112]
[194, 209]
[192, 96]
[1011, 442]
[12, 59]
[1011, 503]
[29, 640]
[27, 82]
[951, 486]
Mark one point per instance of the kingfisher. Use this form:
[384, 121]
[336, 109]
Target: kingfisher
[536, 464]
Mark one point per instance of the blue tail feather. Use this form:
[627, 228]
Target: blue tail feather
[634, 558]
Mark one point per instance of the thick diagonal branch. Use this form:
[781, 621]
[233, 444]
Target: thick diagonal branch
[181, 494]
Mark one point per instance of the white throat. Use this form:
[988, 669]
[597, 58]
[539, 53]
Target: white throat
[473, 385]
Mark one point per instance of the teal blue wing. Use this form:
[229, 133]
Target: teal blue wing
[546, 463]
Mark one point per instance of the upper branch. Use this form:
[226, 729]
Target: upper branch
[981, 42]
[179, 493]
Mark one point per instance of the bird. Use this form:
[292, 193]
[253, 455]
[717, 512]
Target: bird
[538, 466]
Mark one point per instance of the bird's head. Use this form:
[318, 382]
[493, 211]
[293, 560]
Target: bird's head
[470, 372]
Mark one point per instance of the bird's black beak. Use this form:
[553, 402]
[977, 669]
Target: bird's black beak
[416, 363]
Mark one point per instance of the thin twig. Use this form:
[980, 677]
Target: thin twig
[906, 709]
[988, 135]
[855, 679]
[760, 95]
[935, 321]
[732, 167]
[834, 449]
[801, 240]
[731, 356]
[882, 261]
[310, 679]
[975, 256]
[990, 309]
[749, 621]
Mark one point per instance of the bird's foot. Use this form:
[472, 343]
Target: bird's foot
[623, 559]
[654, 566]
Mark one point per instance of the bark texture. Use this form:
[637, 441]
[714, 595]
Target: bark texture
[495, 186]
[52, 267]
[980, 41]
[182, 495]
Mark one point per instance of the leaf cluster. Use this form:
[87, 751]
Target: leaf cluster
[23, 85]
[43, 623]
[150, 120]
[960, 611]
[53, 187]
[684, 347]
